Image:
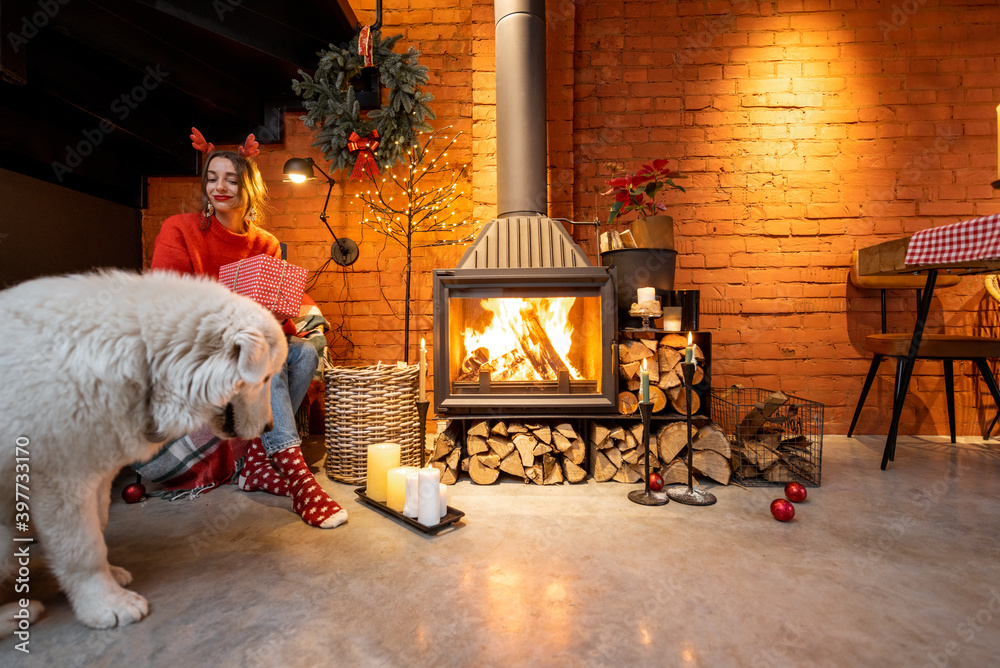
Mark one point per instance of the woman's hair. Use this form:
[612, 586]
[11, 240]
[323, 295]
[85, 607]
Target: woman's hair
[252, 191]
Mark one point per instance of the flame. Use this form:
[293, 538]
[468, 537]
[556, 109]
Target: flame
[516, 348]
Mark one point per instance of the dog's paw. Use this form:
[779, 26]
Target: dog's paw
[10, 623]
[115, 607]
[121, 576]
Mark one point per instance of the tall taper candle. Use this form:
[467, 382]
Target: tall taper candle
[689, 351]
[422, 394]
[645, 382]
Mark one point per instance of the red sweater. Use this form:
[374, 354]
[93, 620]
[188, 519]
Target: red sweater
[183, 246]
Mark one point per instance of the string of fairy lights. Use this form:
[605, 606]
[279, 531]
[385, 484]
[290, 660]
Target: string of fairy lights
[416, 207]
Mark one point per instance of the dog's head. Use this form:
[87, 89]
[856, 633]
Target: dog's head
[239, 378]
[218, 371]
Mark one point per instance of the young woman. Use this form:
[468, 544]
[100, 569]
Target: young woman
[233, 196]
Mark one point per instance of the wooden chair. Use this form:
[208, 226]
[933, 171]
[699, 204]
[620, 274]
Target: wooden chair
[944, 347]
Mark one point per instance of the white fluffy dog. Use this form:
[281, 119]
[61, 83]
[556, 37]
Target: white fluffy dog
[97, 371]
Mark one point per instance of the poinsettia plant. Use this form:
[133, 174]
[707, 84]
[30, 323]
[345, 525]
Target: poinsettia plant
[637, 192]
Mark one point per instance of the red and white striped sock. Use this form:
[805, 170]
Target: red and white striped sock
[258, 473]
[309, 500]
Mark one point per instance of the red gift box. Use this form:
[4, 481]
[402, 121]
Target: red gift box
[272, 283]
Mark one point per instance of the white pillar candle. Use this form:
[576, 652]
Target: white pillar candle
[444, 500]
[395, 494]
[422, 373]
[381, 458]
[645, 294]
[430, 496]
[412, 501]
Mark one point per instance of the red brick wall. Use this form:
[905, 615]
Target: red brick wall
[806, 129]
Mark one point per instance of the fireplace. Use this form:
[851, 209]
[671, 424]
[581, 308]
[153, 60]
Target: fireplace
[525, 325]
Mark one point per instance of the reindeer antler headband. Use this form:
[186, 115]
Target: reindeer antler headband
[248, 149]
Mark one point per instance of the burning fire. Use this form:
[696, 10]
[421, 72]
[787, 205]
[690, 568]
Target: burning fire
[524, 339]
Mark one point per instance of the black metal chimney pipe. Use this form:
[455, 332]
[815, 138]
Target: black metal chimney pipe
[522, 177]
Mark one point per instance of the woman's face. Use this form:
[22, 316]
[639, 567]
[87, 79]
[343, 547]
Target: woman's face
[222, 186]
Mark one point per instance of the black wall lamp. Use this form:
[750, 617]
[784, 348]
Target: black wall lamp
[297, 170]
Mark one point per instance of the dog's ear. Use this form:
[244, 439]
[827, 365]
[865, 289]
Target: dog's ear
[253, 354]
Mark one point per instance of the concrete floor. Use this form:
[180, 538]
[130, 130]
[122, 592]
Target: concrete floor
[896, 568]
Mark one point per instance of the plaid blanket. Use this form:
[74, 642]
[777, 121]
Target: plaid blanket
[198, 462]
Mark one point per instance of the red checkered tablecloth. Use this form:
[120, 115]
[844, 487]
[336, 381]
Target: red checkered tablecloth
[970, 240]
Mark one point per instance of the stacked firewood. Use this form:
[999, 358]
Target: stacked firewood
[537, 452]
[663, 359]
[773, 447]
[617, 453]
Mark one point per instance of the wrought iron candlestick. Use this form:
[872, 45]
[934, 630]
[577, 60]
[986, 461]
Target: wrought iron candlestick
[421, 424]
[690, 496]
[646, 497]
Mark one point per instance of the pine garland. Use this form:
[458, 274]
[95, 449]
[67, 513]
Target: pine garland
[333, 113]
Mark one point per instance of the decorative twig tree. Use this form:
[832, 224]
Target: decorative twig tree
[417, 200]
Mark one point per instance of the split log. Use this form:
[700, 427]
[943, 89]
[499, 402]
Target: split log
[627, 474]
[481, 473]
[670, 440]
[513, 465]
[633, 351]
[658, 397]
[525, 445]
[674, 341]
[675, 472]
[598, 434]
[516, 428]
[500, 444]
[669, 380]
[711, 464]
[560, 442]
[577, 452]
[573, 472]
[534, 473]
[710, 437]
[542, 353]
[630, 370]
[627, 403]
[475, 360]
[552, 473]
[476, 445]
[500, 428]
[446, 441]
[452, 459]
[567, 430]
[603, 469]
[480, 428]
[754, 420]
[541, 449]
[543, 433]
[678, 399]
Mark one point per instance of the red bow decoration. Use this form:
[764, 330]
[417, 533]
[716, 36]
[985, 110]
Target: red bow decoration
[364, 147]
[365, 46]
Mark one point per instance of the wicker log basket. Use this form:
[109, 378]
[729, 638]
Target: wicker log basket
[367, 405]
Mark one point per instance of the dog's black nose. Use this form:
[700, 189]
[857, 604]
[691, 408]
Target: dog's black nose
[270, 426]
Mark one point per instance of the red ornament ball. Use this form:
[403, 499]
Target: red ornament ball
[782, 510]
[794, 491]
[655, 482]
[134, 493]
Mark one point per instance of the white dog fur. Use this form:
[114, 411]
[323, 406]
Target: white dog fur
[97, 371]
